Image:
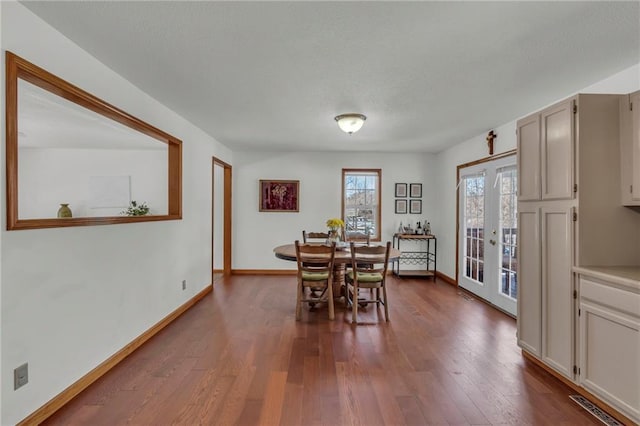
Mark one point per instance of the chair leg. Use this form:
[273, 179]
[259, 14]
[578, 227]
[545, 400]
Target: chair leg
[330, 299]
[299, 302]
[386, 302]
[354, 306]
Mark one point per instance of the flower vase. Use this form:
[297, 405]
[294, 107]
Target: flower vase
[334, 237]
[64, 211]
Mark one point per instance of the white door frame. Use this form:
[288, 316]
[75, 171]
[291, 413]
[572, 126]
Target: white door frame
[489, 289]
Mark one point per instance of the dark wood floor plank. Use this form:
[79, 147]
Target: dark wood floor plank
[238, 357]
[273, 399]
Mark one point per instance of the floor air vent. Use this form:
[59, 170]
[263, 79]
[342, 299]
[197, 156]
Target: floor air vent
[595, 411]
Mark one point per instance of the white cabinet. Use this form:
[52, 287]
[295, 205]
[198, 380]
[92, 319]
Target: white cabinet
[630, 149]
[546, 203]
[546, 308]
[557, 287]
[569, 214]
[546, 153]
[609, 349]
[557, 142]
[528, 158]
[529, 278]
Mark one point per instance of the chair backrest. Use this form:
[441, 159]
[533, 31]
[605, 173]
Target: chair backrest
[314, 257]
[310, 237]
[370, 259]
[358, 237]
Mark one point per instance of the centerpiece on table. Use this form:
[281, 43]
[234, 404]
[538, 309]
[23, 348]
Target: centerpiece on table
[334, 225]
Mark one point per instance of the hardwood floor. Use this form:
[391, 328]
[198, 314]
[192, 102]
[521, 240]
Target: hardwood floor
[239, 357]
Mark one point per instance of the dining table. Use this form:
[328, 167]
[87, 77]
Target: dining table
[340, 261]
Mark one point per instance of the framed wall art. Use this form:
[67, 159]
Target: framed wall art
[401, 206]
[401, 190]
[415, 190]
[279, 195]
[415, 206]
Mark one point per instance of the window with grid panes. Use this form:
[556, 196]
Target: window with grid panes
[361, 203]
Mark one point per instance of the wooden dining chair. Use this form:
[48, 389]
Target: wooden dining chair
[357, 237]
[315, 273]
[314, 237]
[369, 266]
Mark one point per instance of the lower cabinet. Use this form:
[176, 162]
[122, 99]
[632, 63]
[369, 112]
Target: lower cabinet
[558, 307]
[546, 307]
[529, 279]
[609, 344]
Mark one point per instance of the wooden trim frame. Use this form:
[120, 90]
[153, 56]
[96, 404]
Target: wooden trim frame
[462, 166]
[446, 278]
[18, 68]
[226, 213]
[267, 187]
[377, 236]
[85, 381]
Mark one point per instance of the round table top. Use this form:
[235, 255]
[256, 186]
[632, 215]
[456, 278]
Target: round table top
[288, 252]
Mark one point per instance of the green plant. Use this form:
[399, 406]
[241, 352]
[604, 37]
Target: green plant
[136, 209]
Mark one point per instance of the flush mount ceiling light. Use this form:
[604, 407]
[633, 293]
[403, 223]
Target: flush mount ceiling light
[350, 123]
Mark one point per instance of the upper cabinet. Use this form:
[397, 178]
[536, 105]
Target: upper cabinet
[630, 149]
[546, 153]
[529, 158]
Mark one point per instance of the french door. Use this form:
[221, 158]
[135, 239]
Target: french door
[487, 261]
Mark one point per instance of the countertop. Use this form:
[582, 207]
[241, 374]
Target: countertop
[628, 276]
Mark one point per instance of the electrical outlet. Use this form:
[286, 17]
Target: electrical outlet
[21, 376]
[184, 284]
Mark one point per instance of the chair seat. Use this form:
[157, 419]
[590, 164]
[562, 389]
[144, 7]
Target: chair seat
[315, 276]
[368, 270]
[366, 277]
[315, 272]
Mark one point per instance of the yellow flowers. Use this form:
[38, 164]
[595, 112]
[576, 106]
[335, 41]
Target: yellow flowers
[334, 223]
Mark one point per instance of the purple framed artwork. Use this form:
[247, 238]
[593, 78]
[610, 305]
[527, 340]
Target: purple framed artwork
[279, 195]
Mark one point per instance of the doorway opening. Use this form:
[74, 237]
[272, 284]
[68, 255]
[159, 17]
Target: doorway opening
[220, 219]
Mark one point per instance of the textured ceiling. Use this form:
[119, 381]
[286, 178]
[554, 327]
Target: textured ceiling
[272, 75]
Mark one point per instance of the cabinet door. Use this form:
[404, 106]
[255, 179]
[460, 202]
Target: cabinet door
[635, 138]
[609, 354]
[529, 158]
[558, 153]
[557, 288]
[529, 285]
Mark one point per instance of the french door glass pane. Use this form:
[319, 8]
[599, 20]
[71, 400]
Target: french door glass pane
[508, 231]
[474, 226]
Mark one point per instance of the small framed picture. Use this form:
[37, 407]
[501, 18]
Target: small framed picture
[415, 190]
[401, 206]
[401, 190]
[415, 206]
[279, 195]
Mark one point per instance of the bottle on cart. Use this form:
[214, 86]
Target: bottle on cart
[427, 229]
[418, 229]
[401, 229]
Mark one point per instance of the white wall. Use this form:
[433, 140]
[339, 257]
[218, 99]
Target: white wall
[71, 297]
[475, 148]
[257, 233]
[48, 177]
